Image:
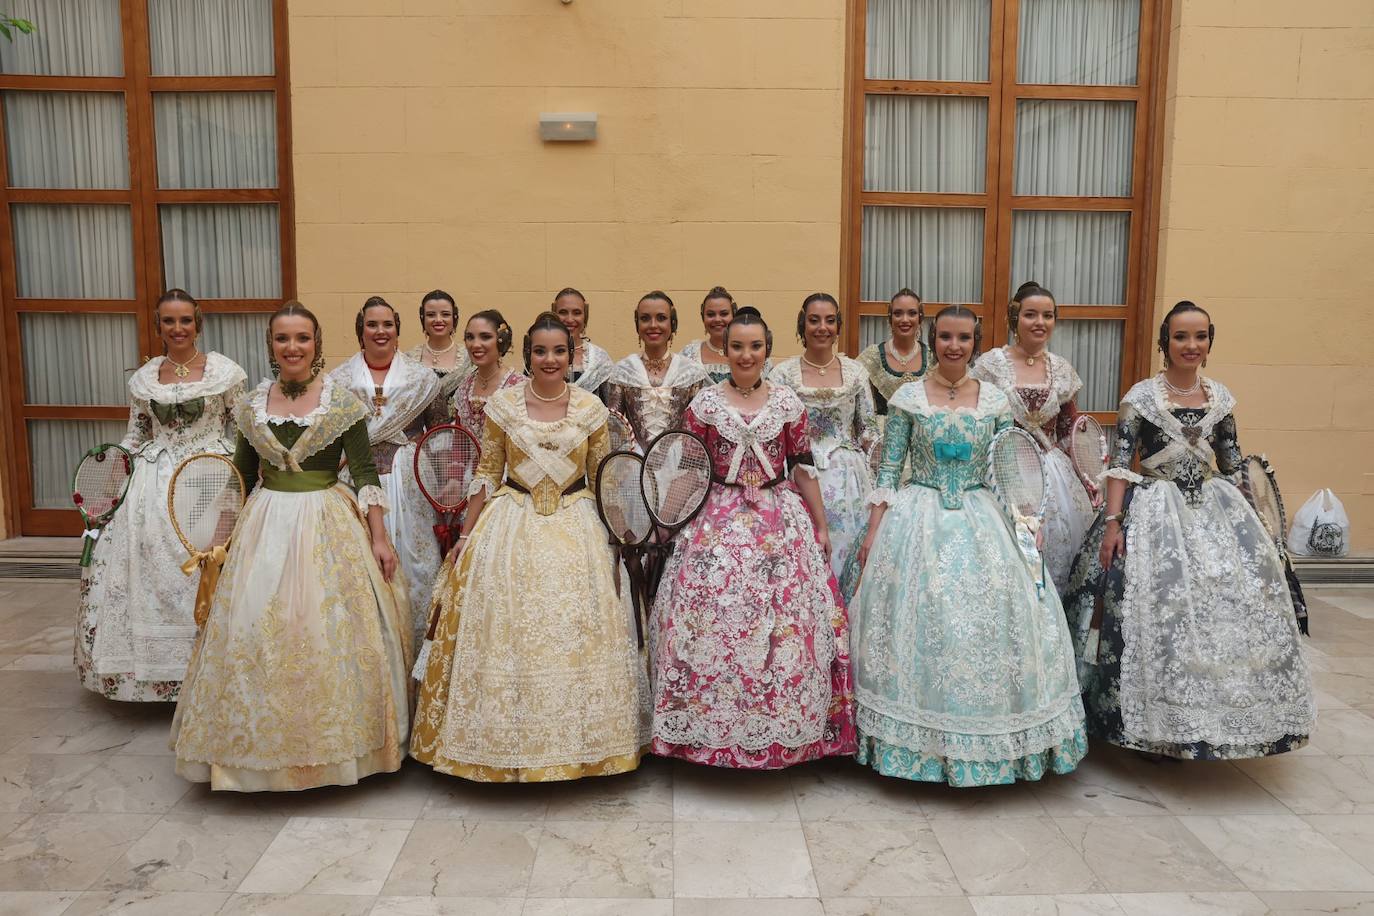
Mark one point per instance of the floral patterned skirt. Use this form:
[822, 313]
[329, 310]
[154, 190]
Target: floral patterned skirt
[749, 639]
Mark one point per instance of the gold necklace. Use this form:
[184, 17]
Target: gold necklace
[1030, 360]
[938, 377]
[435, 354]
[745, 393]
[557, 397]
[656, 366]
[820, 370]
[181, 370]
[486, 380]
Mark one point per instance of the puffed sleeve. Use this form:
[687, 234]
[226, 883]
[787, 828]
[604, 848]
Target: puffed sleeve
[1226, 445]
[896, 440]
[491, 469]
[598, 447]
[358, 448]
[140, 428]
[1063, 422]
[797, 446]
[246, 460]
[1127, 438]
[692, 423]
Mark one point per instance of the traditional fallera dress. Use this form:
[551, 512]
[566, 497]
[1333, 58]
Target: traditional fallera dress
[596, 370]
[468, 409]
[135, 624]
[395, 420]
[1198, 652]
[749, 639]
[842, 425]
[299, 676]
[653, 409]
[440, 410]
[963, 668]
[1047, 412]
[884, 379]
[534, 675]
[716, 372]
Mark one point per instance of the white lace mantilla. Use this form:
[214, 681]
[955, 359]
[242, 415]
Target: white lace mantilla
[597, 367]
[408, 389]
[1062, 382]
[547, 444]
[338, 410]
[748, 436]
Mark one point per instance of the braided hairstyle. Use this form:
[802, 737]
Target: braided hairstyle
[806, 304]
[1023, 292]
[289, 309]
[546, 321]
[959, 311]
[375, 302]
[1178, 309]
[661, 296]
[746, 316]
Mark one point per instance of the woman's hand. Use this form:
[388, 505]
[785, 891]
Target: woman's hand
[1040, 538]
[456, 550]
[823, 538]
[864, 549]
[1113, 544]
[385, 557]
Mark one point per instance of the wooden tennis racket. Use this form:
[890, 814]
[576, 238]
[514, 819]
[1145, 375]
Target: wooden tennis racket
[98, 487]
[446, 459]
[204, 501]
[620, 504]
[1088, 452]
[621, 432]
[1261, 488]
[1017, 472]
[675, 480]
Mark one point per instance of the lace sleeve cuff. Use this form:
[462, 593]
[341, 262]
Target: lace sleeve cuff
[483, 485]
[1123, 474]
[808, 469]
[881, 496]
[369, 496]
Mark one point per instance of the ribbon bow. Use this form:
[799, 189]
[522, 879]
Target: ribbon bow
[209, 562]
[953, 451]
[189, 410]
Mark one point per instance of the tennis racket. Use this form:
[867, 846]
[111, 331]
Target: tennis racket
[98, 488]
[1088, 452]
[204, 500]
[675, 481]
[620, 504]
[874, 454]
[445, 460]
[1017, 471]
[622, 433]
[1261, 488]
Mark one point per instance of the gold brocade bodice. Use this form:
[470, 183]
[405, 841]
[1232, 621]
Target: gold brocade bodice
[545, 458]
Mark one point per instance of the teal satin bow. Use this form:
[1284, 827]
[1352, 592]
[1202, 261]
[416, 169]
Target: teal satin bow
[190, 411]
[953, 451]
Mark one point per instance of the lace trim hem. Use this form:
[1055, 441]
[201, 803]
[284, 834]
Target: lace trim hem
[881, 496]
[372, 495]
[1122, 474]
[1012, 745]
[481, 485]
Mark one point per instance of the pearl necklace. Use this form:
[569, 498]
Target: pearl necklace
[719, 351]
[435, 354]
[1181, 392]
[556, 397]
[820, 370]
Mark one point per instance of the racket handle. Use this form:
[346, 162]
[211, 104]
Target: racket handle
[87, 548]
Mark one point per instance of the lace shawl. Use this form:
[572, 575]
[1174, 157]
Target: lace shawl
[220, 386]
[545, 445]
[749, 436]
[597, 367]
[1062, 381]
[448, 378]
[408, 388]
[1150, 400]
[851, 402]
[338, 410]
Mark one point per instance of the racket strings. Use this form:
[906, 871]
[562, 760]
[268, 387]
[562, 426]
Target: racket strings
[446, 462]
[1087, 448]
[1018, 474]
[621, 434]
[205, 501]
[676, 477]
[622, 504]
[99, 481]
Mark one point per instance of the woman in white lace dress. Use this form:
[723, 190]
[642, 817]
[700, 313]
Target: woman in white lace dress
[299, 676]
[1186, 633]
[534, 675]
[590, 366]
[135, 623]
[839, 418]
[441, 353]
[1041, 387]
[397, 391]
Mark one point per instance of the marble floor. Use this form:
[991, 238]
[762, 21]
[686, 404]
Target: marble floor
[94, 820]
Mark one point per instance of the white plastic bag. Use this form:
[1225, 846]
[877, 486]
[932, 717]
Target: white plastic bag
[1321, 528]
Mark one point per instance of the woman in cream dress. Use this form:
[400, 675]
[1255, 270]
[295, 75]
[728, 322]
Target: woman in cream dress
[534, 674]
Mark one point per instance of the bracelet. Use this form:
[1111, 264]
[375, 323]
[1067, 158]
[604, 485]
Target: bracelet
[1119, 517]
[461, 537]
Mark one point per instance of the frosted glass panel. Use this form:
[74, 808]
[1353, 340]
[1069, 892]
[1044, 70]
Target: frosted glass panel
[56, 448]
[937, 252]
[211, 37]
[66, 139]
[222, 251]
[241, 337]
[925, 144]
[78, 359]
[216, 139]
[928, 40]
[1079, 42]
[73, 251]
[1094, 348]
[875, 329]
[70, 38]
[1080, 257]
[1074, 148]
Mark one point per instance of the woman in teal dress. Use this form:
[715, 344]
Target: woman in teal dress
[964, 671]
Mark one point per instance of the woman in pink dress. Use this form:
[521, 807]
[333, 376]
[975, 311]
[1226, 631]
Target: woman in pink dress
[749, 638]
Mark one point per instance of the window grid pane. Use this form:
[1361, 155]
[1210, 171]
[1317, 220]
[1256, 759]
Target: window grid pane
[222, 251]
[78, 359]
[70, 38]
[67, 139]
[1094, 347]
[216, 139]
[938, 252]
[1074, 148]
[73, 251]
[55, 449]
[242, 338]
[928, 39]
[930, 144]
[1079, 42]
[1080, 256]
[211, 37]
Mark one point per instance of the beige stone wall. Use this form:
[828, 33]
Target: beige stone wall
[418, 161]
[1268, 222]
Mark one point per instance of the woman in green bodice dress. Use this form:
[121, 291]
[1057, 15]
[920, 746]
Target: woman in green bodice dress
[298, 678]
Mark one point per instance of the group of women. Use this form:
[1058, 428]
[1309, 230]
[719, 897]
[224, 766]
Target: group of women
[811, 609]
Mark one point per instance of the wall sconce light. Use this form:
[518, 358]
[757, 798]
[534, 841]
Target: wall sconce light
[562, 126]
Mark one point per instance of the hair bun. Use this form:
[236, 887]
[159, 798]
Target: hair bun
[748, 310]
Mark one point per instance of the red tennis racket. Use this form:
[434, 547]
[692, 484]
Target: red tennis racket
[1088, 452]
[445, 461]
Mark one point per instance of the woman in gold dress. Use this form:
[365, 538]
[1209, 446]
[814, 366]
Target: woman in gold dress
[298, 677]
[534, 675]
